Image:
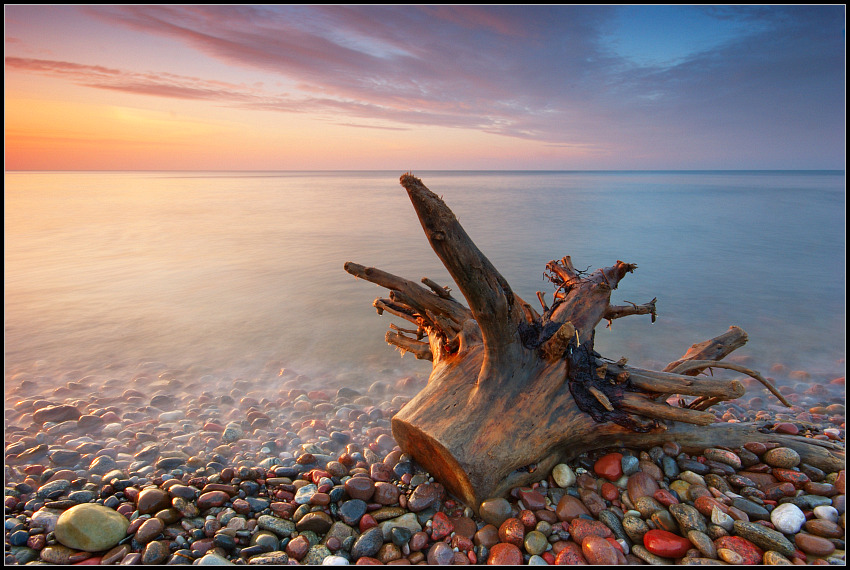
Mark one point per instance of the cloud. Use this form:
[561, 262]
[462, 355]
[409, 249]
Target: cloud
[542, 73]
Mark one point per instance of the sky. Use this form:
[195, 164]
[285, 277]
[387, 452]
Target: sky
[471, 87]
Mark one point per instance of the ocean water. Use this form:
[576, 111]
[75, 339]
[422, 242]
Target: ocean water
[236, 272]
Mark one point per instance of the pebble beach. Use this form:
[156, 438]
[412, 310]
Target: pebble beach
[148, 464]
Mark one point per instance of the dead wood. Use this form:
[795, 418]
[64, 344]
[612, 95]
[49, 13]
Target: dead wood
[513, 392]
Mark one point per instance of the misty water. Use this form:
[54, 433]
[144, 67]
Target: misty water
[241, 273]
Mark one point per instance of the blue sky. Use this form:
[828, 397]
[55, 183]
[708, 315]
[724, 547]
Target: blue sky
[517, 87]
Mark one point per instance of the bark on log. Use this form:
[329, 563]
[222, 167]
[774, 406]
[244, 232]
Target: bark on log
[513, 392]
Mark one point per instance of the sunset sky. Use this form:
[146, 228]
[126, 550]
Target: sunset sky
[304, 87]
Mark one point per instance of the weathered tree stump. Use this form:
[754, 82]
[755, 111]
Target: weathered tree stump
[513, 392]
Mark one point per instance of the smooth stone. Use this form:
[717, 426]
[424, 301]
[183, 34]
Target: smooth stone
[582, 527]
[827, 512]
[212, 558]
[149, 530]
[773, 558]
[630, 464]
[152, 501]
[612, 521]
[495, 511]
[425, 496]
[749, 552]
[782, 457]
[57, 554]
[535, 542]
[350, 511]
[505, 554]
[440, 554]
[318, 522]
[316, 555]
[155, 553]
[688, 517]
[665, 544]
[46, 518]
[367, 544]
[641, 485]
[563, 475]
[635, 527]
[53, 489]
[787, 518]
[609, 466]
[598, 551]
[763, 537]
[823, 527]
[512, 531]
[641, 552]
[407, 522]
[281, 527]
[361, 488]
[334, 560]
[723, 456]
[91, 527]
[814, 545]
[568, 508]
[304, 494]
[754, 511]
[703, 543]
[730, 557]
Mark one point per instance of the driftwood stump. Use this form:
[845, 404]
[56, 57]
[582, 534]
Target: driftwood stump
[514, 391]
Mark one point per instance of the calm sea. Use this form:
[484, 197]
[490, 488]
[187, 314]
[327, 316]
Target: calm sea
[232, 271]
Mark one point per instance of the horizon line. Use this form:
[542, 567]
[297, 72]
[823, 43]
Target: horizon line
[429, 170]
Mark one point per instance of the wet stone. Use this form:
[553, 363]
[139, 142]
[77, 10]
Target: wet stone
[787, 518]
[665, 544]
[814, 545]
[504, 554]
[763, 537]
[635, 528]
[749, 552]
[688, 517]
[754, 511]
[703, 543]
[723, 456]
[90, 527]
[281, 527]
[367, 544]
[495, 511]
[782, 457]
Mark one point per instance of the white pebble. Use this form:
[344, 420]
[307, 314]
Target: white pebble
[788, 518]
[335, 561]
[563, 475]
[827, 512]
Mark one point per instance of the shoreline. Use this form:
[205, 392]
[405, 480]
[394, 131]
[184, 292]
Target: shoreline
[258, 471]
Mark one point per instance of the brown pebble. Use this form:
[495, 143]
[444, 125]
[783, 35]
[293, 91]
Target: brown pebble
[814, 545]
[823, 527]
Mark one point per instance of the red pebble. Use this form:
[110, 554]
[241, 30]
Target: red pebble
[504, 554]
[571, 554]
[665, 497]
[599, 551]
[441, 526]
[751, 553]
[786, 427]
[367, 521]
[609, 491]
[609, 466]
[512, 531]
[548, 557]
[706, 504]
[581, 528]
[797, 478]
[666, 544]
